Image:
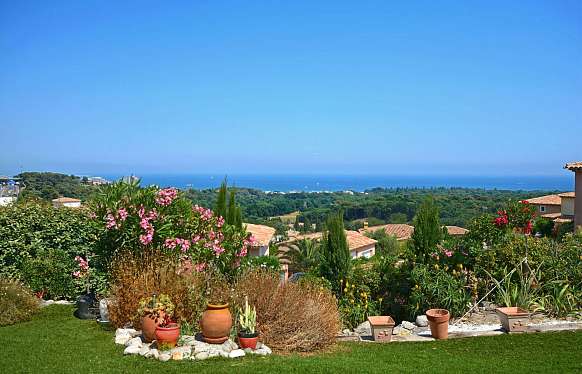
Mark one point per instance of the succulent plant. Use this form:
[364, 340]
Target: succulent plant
[247, 318]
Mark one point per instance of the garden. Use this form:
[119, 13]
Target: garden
[154, 277]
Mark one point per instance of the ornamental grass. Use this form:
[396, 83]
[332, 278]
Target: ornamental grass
[17, 303]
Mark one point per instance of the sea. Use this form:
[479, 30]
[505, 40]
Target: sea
[356, 183]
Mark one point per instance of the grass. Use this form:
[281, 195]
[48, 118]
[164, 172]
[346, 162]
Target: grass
[54, 341]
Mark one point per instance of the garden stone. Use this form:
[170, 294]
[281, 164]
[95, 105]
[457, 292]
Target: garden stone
[364, 328]
[226, 347]
[266, 349]
[408, 325]
[134, 342]
[401, 331]
[248, 350]
[202, 355]
[164, 357]
[177, 356]
[152, 353]
[421, 321]
[144, 350]
[131, 350]
[236, 353]
[186, 351]
[224, 354]
[63, 302]
[204, 347]
[213, 353]
[44, 303]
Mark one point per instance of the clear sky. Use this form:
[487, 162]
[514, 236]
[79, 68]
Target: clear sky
[420, 87]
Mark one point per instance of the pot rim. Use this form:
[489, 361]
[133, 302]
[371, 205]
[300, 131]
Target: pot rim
[170, 328]
[248, 336]
[217, 306]
[437, 315]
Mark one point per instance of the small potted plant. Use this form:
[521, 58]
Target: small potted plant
[167, 332]
[247, 320]
[153, 311]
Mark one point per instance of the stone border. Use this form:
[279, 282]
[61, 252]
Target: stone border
[189, 348]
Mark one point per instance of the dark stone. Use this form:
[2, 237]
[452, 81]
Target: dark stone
[87, 307]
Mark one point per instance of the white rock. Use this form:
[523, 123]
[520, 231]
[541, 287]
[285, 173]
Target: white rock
[201, 355]
[152, 353]
[131, 350]
[408, 325]
[185, 351]
[201, 347]
[223, 353]
[236, 353]
[164, 357]
[364, 328]
[226, 347]
[63, 302]
[421, 321]
[266, 349]
[134, 341]
[213, 353]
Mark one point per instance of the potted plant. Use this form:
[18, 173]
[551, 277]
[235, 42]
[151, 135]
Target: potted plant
[438, 320]
[167, 332]
[216, 320]
[153, 311]
[247, 320]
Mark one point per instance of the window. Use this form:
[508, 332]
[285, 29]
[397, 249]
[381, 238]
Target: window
[542, 208]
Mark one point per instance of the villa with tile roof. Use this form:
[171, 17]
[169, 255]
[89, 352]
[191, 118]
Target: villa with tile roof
[68, 202]
[400, 230]
[359, 244]
[263, 236]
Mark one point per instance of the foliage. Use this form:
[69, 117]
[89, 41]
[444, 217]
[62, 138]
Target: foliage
[50, 186]
[136, 276]
[559, 299]
[427, 229]
[544, 226]
[335, 254]
[304, 255]
[518, 287]
[264, 262]
[138, 219]
[386, 244]
[38, 244]
[436, 288]
[247, 319]
[290, 317]
[156, 307]
[17, 303]
[356, 300]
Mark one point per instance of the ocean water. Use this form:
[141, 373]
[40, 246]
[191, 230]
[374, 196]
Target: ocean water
[311, 183]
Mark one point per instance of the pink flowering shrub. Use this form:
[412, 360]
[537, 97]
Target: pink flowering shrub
[139, 219]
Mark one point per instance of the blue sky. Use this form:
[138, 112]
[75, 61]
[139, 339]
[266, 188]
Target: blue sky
[291, 87]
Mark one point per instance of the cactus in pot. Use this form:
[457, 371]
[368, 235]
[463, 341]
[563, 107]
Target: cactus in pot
[247, 321]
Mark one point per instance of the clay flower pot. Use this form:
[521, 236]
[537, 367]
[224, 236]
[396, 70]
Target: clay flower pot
[513, 319]
[438, 320]
[168, 335]
[216, 323]
[248, 340]
[148, 328]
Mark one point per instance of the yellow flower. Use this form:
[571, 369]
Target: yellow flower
[345, 290]
[460, 266]
[436, 266]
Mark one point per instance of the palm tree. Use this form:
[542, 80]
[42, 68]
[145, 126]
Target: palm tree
[304, 254]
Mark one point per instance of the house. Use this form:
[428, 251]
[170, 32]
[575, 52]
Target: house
[456, 230]
[568, 203]
[9, 190]
[400, 230]
[359, 244]
[68, 202]
[263, 237]
[549, 204]
[576, 167]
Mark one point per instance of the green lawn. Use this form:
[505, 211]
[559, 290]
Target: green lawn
[56, 342]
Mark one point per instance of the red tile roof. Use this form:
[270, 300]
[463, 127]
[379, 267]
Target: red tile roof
[400, 230]
[568, 194]
[574, 166]
[546, 200]
[355, 239]
[66, 200]
[263, 234]
[456, 230]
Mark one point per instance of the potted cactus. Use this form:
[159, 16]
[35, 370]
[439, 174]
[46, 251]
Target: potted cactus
[247, 320]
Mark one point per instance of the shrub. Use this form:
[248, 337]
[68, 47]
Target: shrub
[17, 303]
[290, 317]
[135, 276]
[50, 274]
[436, 288]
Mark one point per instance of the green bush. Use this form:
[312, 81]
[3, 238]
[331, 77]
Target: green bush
[17, 303]
[50, 272]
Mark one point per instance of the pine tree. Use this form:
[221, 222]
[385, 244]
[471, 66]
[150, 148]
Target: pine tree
[427, 229]
[220, 206]
[336, 260]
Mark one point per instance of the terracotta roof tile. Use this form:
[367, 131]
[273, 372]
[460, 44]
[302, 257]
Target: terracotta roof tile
[263, 234]
[456, 230]
[568, 194]
[355, 239]
[66, 200]
[574, 166]
[546, 200]
[400, 230]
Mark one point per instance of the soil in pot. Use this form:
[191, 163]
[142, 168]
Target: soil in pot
[168, 335]
[438, 320]
[216, 323]
[248, 340]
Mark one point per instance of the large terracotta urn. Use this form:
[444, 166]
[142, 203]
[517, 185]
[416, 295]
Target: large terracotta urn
[148, 328]
[216, 323]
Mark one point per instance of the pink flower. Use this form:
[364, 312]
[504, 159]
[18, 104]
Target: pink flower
[145, 239]
[200, 267]
[92, 215]
[217, 250]
[110, 221]
[77, 274]
[448, 253]
[220, 222]
[170, 243]
[196, 239]
[243, 251]
[205, 214]
[122, 213]
[165, 196]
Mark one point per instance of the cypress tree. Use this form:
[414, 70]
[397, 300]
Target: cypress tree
[220, 206]
[427, 229]
[336, 259]
[231, 215]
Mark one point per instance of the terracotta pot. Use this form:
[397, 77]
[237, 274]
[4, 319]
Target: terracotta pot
[248, 341]
[513, 319]
[438, 320]
[148, 328]
[168, 335]
[216, 323]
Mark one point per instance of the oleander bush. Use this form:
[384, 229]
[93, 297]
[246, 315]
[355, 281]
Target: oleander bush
[290, 317]
[17, 303]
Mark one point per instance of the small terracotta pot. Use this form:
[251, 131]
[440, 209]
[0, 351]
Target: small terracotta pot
[248, 341]
[216, 323]
[438, 320]
[168, 335]
[148, 328]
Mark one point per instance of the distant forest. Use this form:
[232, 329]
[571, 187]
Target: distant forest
[380, 205]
